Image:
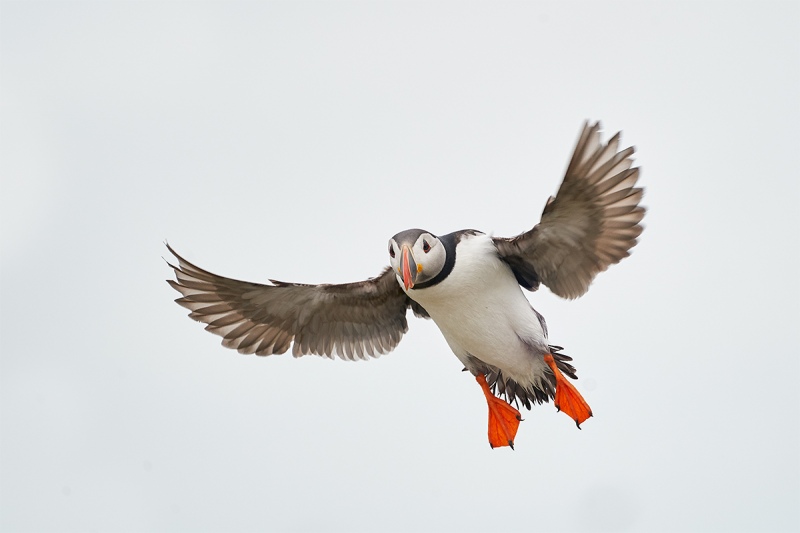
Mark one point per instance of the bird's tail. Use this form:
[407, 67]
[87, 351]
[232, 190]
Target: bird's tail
[527, 396]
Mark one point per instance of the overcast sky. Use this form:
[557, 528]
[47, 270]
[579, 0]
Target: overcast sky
[290, 140]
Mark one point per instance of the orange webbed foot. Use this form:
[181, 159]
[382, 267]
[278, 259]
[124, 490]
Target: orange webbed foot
[503, 418]
[568, 399]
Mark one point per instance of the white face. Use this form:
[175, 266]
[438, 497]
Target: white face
[426, 257]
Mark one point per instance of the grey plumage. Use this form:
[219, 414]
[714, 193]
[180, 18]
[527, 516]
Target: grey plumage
[591, 223]
[350, 320]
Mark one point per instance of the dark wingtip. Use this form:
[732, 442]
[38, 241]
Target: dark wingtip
[511, 443]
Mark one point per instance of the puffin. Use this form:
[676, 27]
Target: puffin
[468, 282]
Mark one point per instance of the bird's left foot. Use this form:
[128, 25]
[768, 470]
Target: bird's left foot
[568, 399]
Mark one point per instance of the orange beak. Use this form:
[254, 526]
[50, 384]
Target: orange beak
[409, 269]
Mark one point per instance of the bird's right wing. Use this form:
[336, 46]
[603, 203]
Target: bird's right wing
[350, 320]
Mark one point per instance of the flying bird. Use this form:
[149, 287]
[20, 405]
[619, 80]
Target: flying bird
[469, 283]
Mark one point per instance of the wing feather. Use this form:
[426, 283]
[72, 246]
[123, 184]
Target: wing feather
[591, 223]
[350, 320]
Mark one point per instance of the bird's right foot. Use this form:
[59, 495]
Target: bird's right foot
[503, 418]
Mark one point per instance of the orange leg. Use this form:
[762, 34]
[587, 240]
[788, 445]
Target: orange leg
[568, 399]
[503, 419]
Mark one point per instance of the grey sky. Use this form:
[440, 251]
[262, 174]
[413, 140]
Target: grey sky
[290, 140]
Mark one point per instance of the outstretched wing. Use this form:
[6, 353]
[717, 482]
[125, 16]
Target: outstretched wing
[351, 320]
[591, 223]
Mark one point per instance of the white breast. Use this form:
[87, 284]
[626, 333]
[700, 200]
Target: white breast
[482, 312]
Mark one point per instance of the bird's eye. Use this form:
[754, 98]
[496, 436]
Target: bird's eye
[391, 251]
[426, 247]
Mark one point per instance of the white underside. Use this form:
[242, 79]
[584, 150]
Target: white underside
[482, 312]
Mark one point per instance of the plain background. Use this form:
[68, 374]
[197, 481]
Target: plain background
[290, 140]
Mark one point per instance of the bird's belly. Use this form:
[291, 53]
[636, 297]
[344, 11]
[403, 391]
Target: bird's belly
[483, 314]
[489, 338]
[493, 323]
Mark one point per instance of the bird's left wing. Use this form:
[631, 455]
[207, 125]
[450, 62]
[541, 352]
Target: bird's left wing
[350, 320]
[592, 222]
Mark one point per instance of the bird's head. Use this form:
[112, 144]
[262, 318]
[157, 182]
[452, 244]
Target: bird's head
[416, 256]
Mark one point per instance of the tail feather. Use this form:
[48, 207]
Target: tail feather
[519, 395]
